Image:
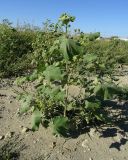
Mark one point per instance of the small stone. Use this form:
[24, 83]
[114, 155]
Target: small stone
[18, 112]
[1, 137]
[90, 158]
[10, 101]
[53, 144]
[62, 153]
[25, 129]
[89, 149]
[119, 137]
[38, 140]
[92, 132]
[9, 135]
[27, 135]
[84, 143]
[58, 152]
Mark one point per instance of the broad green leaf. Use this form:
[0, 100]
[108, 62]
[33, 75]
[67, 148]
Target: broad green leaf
[92, 105]
[111, 90]
[60, 125]
[107, 91]
[69, 48]
[100, 117]
[20, 80]
[54, 93]
[92, 36]
[47, 91]
[103, 91]
[33, 76]
[36, 120]
[102, 66]
[70, 107]
[90, 58]
[24, 108]
[53, 73]
[57, 94]
[26, 101]
[60, 96]
[99, 91]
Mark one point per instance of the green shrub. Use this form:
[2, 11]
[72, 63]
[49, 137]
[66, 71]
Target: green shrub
[60, 63]
[116, 50]
[14, 46]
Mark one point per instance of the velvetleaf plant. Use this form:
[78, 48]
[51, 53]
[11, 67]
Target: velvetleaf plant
[60, 63]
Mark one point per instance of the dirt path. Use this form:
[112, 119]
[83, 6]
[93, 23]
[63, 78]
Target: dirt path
[109, 144]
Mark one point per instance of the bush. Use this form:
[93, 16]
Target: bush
[109, 48]
[18, 45]
[15, 49]
[60, 64]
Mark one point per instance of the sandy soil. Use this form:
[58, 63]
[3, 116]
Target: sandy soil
[109, 143]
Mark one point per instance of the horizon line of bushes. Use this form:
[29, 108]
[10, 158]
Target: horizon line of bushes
[17, 45]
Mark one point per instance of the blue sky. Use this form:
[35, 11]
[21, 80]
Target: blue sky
[110, 17]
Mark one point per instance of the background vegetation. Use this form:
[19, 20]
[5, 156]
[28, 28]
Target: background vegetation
[19, 44]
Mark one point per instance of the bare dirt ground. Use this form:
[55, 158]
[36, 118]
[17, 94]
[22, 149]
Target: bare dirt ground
[109, 143]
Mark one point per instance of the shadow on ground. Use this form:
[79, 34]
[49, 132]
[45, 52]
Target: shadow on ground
[118, 113]
[10, 149]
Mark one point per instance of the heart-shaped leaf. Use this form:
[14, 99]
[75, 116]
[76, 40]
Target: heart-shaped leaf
[60, 125]
[36, 120]
[53, 73]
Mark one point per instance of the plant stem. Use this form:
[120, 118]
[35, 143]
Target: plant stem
[66, 88]
[65, 108]
[66, 29]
